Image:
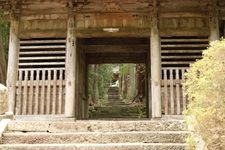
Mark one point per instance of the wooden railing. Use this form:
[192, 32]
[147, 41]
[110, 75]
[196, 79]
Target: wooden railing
[174, 100]
[40, 91]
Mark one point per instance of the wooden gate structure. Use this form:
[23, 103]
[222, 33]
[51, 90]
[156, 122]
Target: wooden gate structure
[52, 41]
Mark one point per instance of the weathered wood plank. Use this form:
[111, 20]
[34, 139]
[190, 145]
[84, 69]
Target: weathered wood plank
[43, 47]
[31, 95]
[115, 48]
[177, 62]
[180, 51]
[183, 45]
[35, 82]
[12, 70]
[41, 63]
[41, 52]
[54, 100]
[184, 97]
[43, 58]
[42, 101]
[25, 94]
[48, 98]
[171, 93]
[183, 14]
[213, 21]
[189, 40]
[155, 62]
[20, 94]
[198, 32]
[174, 67]
[166, 92]
[181, 57]
[60, 99]
[70, 75]
[40, 69]
[36, 103]
[178, 93]
[42, 41]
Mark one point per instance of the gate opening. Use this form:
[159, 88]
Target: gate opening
[116, 77]
[117, 90]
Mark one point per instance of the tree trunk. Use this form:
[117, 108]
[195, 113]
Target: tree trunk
[140, 81]
[131, 91]
[123, 82]
[94, 84]
[2, 63]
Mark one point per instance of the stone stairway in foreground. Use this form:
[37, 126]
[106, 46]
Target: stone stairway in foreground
[95, 135]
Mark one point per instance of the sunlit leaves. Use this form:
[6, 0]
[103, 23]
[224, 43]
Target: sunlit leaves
[205, 86]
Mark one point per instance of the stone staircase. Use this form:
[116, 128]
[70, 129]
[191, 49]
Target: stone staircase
[114, 97]
[116, 108]
[95, 135]
[119, 111]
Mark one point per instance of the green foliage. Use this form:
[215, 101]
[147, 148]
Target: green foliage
[124, 69]
[103, 75]
[205, 87]
[141, 111]
[4, 33]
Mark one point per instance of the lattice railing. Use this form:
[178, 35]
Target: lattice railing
[174, 100]
[41, 77]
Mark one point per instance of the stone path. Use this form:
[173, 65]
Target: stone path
[95, 135]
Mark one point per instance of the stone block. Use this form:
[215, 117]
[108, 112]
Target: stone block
[3, 99]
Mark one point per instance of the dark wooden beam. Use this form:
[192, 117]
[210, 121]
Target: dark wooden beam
[115, 48]
[99, 58]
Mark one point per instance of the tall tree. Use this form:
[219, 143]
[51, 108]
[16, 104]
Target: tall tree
[2, 63]
[131, 90]
[93, 84]
[4, 35]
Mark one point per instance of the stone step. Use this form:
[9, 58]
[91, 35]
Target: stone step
[117, 116]
[113, 88]
[122, 115]
[118, 109]
[113, 92]
[96, 126]
[108, 146]
[115, 103]
[114, 98]
[95, 137]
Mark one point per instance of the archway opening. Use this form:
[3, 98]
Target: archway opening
[116, 76]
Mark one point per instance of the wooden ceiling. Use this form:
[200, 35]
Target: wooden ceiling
[86, 6]
[101, 6]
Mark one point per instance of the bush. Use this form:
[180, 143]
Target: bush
[205, 87]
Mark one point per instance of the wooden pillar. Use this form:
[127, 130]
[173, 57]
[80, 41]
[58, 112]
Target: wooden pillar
[213, 21]
[13, 59]
[155, 63]
[70, 68]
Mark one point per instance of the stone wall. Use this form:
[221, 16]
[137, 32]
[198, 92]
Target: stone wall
[3, 99]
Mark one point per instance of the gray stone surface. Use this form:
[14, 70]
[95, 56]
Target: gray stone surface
[95, 137]
[96, 125]
[3, 99]
[162, 134]
[116, 146]
[3, 127]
